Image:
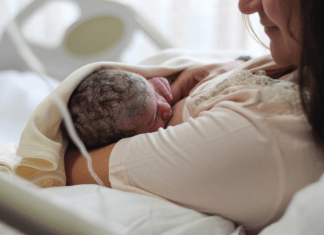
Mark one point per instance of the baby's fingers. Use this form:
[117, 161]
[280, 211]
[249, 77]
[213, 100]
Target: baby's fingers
[161, 85]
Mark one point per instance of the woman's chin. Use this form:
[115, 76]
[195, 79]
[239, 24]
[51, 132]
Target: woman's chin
[283, 57]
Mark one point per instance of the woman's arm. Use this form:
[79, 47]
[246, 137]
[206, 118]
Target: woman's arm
[213, 164]
[76, 166]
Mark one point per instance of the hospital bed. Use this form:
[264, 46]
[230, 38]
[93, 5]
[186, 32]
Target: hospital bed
[101, 33]
[86, 209]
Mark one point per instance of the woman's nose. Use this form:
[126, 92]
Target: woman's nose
[250, 6]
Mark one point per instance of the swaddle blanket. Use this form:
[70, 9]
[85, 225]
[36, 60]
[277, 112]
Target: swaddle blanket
[8, 157]
[40, 154]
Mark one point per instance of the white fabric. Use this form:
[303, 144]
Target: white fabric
[129, 213]
[233, 158]
[20, 93]
[8, 157]
[275, 97]
[125, 213]
[304, 215]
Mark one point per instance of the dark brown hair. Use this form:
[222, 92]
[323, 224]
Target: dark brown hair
[311, 73]
[106, 106]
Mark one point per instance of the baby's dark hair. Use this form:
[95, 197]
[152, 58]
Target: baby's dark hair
[107, 105]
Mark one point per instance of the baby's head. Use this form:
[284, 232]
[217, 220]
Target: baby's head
[111, 104]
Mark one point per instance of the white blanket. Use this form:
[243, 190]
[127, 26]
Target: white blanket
[20, 93]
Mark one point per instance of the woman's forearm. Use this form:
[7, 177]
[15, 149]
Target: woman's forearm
[76, 166]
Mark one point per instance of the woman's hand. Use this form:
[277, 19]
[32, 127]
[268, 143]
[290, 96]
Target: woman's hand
[190, 78]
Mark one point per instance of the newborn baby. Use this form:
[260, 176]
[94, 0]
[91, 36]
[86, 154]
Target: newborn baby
[111, 104]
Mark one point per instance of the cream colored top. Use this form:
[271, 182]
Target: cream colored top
[243, 151]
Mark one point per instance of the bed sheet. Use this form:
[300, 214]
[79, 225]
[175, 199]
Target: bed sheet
[304, 215]
[127, 213]
[117, 211]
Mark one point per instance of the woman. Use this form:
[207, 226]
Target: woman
[246, 146]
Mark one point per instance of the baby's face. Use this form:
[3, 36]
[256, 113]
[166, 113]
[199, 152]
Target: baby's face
[158, 110]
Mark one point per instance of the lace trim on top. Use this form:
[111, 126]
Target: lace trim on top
[278, 97]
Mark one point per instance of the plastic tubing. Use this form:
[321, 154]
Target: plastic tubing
[35, 65]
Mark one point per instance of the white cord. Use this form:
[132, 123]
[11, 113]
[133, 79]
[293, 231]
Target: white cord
[35, 65]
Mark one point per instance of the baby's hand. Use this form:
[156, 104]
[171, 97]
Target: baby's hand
[186, 81]
[191, 78]
[161, 86]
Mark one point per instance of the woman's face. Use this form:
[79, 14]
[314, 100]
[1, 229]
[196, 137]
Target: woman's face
[281, 21]
[158, 110]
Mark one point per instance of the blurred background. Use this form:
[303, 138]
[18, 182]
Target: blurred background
[196, 25]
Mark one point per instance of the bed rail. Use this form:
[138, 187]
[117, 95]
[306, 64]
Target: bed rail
[22, 208]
